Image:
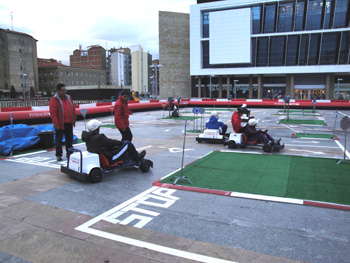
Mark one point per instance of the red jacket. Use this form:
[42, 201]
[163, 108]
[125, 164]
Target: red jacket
[236, 121]
[121, 113]
[57, 111]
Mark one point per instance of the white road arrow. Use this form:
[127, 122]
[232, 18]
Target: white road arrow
[177, 150]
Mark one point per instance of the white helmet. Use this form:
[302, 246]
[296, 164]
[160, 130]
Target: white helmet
[93, 125]
[252, 122]
[244, 106]
[214, 113]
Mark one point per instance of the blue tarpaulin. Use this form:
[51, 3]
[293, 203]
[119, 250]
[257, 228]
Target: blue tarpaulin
[17, 137]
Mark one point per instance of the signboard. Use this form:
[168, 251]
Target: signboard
[345, 123]
[196, 110]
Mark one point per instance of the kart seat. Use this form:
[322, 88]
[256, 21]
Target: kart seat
[105, 163]
[246, 142]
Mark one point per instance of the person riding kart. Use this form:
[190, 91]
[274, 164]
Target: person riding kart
[236, 120]
[113, 150]
[258, 136]
[245, 110]
[215, 123]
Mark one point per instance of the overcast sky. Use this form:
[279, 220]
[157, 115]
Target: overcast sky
[61, 26]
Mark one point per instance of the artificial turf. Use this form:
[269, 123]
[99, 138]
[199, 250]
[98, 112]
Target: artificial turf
[309, 122]
[306, 178]
[314, 135]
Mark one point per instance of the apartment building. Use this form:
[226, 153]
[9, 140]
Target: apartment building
[18, 62]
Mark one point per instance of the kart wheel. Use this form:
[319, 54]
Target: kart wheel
[231, 144]
[267, 148]
[95, 175]
[144, 166]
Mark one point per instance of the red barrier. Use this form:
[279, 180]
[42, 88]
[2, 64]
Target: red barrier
[11, 109]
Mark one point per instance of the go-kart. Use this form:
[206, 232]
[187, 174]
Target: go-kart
[212, 136]
[86, 166]
[240, 140]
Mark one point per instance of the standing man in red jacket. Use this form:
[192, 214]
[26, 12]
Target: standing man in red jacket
[121, 115]
[62, 113]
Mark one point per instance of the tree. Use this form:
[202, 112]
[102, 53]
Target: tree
[13, 93]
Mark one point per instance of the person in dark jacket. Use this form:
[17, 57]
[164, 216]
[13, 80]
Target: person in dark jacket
[215, 123]
[114, 150]
[121, 115]
[62, 113]
[258, 136]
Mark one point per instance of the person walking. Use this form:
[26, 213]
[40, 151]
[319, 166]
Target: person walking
[62, 113]
[121, 115]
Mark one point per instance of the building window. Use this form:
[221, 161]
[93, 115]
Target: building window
[329, 14]
[205, 24]
[256, 10]
[205, 50]
[299, 15]
[329, 48]
[285, 17]
[314, 49]
[314, 14]
[340, 14]
[276, 57]
[262, 51]
[269, 18]
[50, 73]
[344, 48]
[304, 49]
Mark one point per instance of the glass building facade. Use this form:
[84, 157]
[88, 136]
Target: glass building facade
[294, 33]
[296, 47]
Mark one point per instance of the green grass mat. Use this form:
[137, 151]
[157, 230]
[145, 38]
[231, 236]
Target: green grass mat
[306, 111]
[310, 122]
[314, 135]
[182, 118]
[33, 149]
[108, 126]
[306, 178]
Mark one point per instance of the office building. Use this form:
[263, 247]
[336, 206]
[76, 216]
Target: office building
[269, 49]
[52, 72]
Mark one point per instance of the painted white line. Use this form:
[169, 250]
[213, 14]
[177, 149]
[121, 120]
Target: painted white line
[142, 148]
[342, 148]
[268, 198]
[297, 150]
[154, 247]
[311, 146]
[134, 242]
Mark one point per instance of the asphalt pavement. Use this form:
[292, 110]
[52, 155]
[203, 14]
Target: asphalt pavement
[46, 216]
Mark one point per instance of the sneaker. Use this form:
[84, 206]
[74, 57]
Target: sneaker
[59, 158]
[142, 155]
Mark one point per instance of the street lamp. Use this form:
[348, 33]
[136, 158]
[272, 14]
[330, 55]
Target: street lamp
[234, 83]
[156, 66]
[152, 82]
[338, 87]
[210, 84]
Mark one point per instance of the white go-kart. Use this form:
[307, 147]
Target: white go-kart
[86, 166]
